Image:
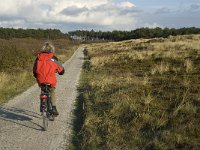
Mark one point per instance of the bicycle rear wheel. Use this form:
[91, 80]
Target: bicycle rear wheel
[45, 121]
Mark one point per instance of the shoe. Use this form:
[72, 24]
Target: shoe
[54, 111]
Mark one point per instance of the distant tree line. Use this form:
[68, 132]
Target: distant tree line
[133, 34]
[7, 33]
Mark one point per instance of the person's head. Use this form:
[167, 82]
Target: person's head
[48, 48]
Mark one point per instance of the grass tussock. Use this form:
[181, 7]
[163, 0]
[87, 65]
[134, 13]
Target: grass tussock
[16, 62]
[142, 94]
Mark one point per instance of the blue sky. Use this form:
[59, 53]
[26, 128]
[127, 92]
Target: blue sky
[169, 13]
[68, 15]
[150, 5]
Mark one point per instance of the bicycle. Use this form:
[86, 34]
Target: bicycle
[46, 105]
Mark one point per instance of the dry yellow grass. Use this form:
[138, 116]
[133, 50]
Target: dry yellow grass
[16, 61]
[142, 94]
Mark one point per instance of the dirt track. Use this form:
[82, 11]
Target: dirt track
[20, 119]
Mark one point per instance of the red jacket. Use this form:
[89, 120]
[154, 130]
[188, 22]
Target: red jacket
[45, 68]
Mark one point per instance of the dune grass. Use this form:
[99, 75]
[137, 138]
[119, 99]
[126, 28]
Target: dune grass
[16, 62]
[142, 94]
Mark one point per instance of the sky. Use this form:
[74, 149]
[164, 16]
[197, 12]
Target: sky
[104, 15]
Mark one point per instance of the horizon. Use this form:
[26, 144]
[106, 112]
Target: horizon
[96, 30]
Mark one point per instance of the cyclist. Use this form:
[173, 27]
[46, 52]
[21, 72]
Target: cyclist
[45, 68]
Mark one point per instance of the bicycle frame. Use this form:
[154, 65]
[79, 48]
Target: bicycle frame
[45, 105]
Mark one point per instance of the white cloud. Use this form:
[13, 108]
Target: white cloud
[194, 7]
[16, 23]
[127, 4]
[98, 12]
[153, 25]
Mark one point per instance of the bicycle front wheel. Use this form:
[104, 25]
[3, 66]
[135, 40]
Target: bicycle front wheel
[45, 121]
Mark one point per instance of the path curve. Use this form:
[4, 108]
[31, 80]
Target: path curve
[20, 119]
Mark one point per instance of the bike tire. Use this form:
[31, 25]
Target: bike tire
[45, 121]
[51, 117]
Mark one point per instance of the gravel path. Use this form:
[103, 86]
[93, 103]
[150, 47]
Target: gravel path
[21, 122]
